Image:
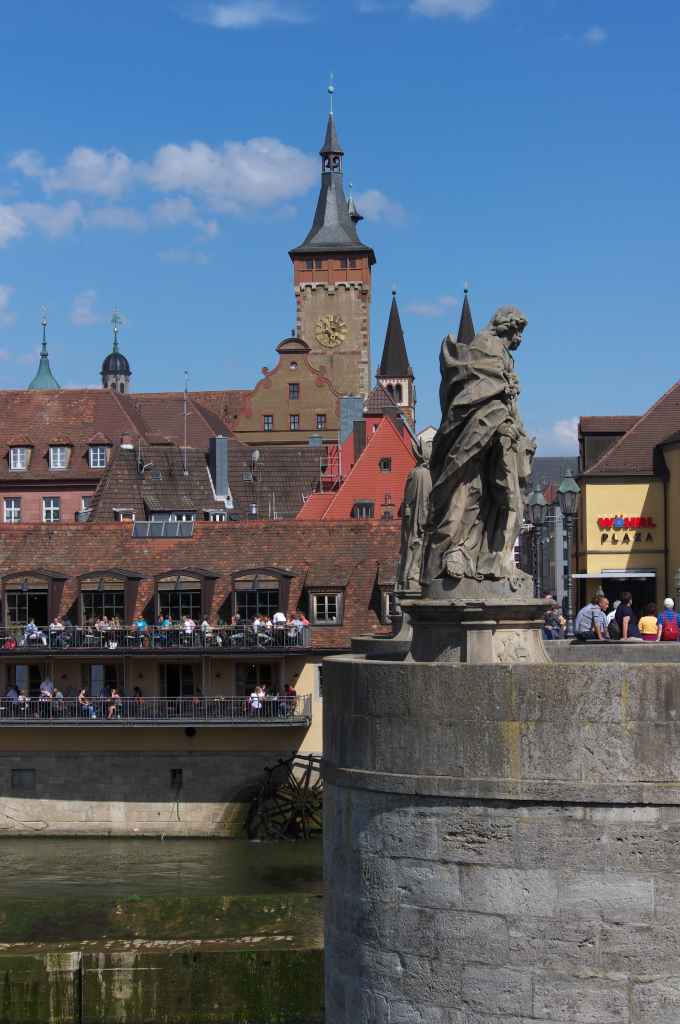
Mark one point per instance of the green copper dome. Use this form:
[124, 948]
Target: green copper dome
[43, 380]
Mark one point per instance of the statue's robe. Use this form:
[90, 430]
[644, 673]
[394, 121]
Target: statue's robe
[413, 518]
[478, 472]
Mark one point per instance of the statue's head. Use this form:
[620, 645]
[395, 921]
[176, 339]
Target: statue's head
[422, 452]
[507, 323]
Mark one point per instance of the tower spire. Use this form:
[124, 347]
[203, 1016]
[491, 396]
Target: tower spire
[43, 380]
[466, 331]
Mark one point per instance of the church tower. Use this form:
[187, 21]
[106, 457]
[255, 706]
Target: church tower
[394, 372]
[333, 282]
[116, 371]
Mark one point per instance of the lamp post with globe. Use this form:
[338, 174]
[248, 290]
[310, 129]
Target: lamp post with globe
[538, 512]
[569, 494]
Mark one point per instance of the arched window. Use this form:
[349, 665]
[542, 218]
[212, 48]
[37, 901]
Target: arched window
[390, 391]
[397, 393]
[121, 387]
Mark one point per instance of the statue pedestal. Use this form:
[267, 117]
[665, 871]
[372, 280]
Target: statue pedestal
[481, 622]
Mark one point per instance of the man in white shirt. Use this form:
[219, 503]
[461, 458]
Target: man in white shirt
[279, 619]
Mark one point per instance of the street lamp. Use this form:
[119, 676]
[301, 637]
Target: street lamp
[538, 512]
[569, 494]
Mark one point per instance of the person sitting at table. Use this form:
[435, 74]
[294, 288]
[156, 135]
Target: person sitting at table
[301, 617]
[33, 633]
[69, 630]
[85, 705]
[159, 631]
[115, 703]
[46, 690]
[143, 630]
[57, 700]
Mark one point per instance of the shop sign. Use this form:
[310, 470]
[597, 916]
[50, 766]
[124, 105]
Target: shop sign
[633, 525]
[627, 523]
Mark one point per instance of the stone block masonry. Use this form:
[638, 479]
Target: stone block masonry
[502, 844]
[131, 793]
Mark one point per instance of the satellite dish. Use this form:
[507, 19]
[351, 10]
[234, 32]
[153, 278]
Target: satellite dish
[256, 456]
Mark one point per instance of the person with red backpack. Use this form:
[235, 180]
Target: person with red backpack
[668, 622]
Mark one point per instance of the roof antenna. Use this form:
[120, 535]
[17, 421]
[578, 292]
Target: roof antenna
[331, 91]
[186, 388]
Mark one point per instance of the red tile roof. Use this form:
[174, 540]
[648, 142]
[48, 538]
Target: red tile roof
[638, 451]
[334, 554]
[606, 424]
[365, 481]
[316, 504]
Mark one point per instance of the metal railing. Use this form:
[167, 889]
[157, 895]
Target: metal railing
[103, 711]
[216, 638]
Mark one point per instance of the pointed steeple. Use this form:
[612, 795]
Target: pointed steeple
[331, 146]
[466, 331]
[334, 227]
[394, 362]
[43, 380]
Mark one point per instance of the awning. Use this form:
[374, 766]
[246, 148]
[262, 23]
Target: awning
[616, 574]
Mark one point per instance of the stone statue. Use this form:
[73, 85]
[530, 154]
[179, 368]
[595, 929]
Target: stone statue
[481, 458]
[414, 515]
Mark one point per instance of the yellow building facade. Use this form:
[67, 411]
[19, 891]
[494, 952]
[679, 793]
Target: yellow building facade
[627, 536]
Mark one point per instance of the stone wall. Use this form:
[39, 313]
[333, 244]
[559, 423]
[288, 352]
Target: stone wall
[130, 792]
[502, 844]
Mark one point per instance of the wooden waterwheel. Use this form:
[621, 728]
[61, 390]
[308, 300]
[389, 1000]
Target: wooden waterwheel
[291, 798]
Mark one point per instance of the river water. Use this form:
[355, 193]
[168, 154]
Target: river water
[34, 868]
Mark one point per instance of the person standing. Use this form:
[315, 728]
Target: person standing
[627, 619]
[668, 622]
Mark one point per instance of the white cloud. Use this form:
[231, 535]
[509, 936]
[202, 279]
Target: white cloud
[53, 220]
[85, 170]
[82, 311]
[181, 211]
[559, 439]
[6, 315]
[466, 9]
[81, 387]
[376, 206]
[594, 35]
[118, 217]
[11, 225]
[246, 14]
[437, 308]
[256, 173]
[183, 256]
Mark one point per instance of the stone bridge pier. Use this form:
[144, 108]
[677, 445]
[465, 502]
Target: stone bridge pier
[501, 843]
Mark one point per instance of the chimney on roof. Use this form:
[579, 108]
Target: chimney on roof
[359, 432]
[219, 465]
[391, 412]
[126, 441]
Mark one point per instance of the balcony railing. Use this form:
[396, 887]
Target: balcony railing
[225, 638]
[152, 711]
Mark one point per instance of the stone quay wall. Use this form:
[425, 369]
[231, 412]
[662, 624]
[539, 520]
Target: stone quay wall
[130, 792]
[502, 843]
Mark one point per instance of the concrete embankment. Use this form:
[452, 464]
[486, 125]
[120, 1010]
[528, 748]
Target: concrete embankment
[188, 959]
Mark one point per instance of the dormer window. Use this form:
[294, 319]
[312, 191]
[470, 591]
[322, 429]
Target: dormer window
[386, 465]
[98, 457]
[58, 457]
[18, 458]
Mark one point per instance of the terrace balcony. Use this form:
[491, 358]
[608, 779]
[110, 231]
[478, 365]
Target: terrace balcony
[218, 640]
[104, 712]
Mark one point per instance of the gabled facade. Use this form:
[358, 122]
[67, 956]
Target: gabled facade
[292, 401]
[376, 477]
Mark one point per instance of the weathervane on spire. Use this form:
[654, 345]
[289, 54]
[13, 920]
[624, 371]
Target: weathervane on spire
[44, 309]
[331, 91]
[115, 320]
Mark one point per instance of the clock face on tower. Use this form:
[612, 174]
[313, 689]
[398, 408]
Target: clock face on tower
[331, 331]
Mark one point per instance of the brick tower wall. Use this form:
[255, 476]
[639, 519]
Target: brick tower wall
[348, 366]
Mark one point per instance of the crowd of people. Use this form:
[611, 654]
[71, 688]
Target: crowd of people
[282, 629]
[595, 621]
[264, 702]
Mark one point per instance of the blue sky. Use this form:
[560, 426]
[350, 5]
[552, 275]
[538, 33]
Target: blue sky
[161, 157]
